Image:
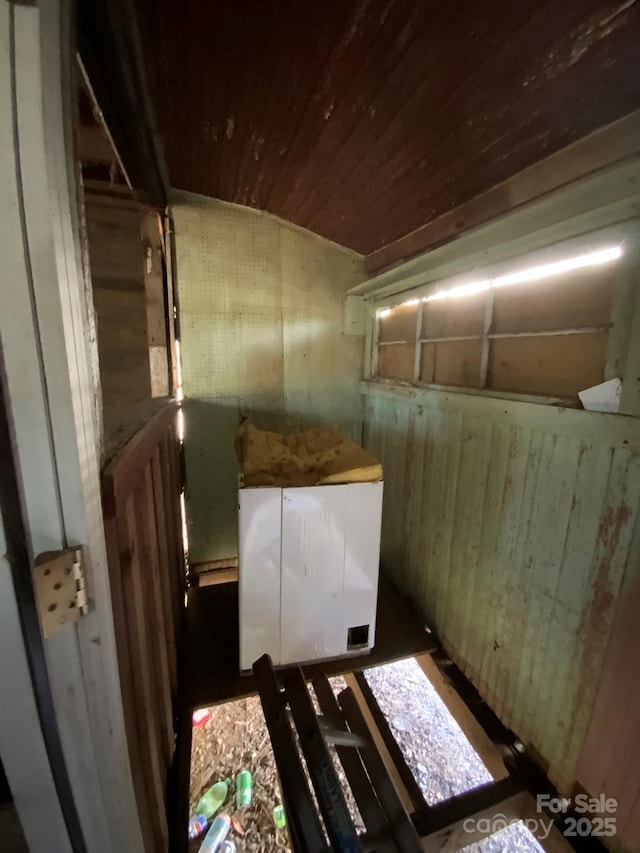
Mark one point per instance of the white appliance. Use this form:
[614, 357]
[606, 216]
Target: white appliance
[308, 567]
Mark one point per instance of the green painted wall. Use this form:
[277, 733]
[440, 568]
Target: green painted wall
[511, 525]
[261, 337]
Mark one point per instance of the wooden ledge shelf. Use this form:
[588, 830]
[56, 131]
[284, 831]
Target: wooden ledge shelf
[211, 655]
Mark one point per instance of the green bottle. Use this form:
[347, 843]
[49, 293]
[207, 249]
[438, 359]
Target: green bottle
[243, 789]
[279, 817]
[213, 799]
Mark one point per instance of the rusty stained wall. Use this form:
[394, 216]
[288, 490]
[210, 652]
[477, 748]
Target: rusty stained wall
[610, 760]
[510, 524]
[363, 119]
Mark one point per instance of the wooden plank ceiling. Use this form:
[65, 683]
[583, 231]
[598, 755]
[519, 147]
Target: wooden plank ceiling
[364, 119]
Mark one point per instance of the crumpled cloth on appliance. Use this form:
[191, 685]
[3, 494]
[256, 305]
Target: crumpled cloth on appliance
[314, 458]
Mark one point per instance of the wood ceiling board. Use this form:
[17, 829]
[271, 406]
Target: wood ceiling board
[363, 120]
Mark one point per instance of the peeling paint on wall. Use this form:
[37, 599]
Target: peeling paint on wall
[510, 525]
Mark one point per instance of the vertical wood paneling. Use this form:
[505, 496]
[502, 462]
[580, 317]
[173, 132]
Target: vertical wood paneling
[400, 111]
[510, 525]
[140, 492]
[143, 666]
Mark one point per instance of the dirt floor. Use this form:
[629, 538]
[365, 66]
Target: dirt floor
[236, 739]
[434, 746]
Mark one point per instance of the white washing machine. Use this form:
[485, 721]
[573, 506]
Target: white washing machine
[308, 566]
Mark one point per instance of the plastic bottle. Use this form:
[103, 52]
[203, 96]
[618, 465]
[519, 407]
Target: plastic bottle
[201, 717]
[213, 799]
[243, 789]
[279, 817]
[216, 835]
[197, 825]
[227, 847]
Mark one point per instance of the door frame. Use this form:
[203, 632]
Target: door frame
[51, 398]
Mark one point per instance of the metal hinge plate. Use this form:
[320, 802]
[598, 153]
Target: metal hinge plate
[60, 589]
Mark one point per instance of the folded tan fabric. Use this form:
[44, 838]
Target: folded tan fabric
[313, 458]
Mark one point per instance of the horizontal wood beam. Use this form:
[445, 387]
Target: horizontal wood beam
[408, 779]
[599, 150]
[453, 823]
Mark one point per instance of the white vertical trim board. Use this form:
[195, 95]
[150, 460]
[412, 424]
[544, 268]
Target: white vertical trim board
[51, 400]
[22, 746]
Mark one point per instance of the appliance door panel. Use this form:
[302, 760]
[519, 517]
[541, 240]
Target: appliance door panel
[362, 559]
[259, 523]
[314, 523]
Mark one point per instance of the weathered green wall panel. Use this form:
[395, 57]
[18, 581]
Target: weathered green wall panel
[510, 525]
[261, 337]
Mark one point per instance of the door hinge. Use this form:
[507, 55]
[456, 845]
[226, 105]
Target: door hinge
[60, 587]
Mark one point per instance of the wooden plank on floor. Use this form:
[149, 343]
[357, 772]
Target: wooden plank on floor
[379, 743]
[393, 748]
[216, 576]
[364, 795]
[333, 806]
[404, 832]
[473, 731]
[447, 825]
[302, 817]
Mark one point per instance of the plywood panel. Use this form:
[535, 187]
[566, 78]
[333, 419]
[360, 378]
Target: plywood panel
[455, 317]
[400, 324]
[558, 365]
[458, 363]
[396, 361]
[513, 527]
[427, 362]
[581, 299]
[116, 255]
[261, 337]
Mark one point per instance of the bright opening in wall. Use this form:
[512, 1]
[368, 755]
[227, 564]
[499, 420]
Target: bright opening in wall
[532, 328]
[589, 259]
[179, 391]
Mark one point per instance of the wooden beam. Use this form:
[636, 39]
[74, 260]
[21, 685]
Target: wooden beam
[453, 823]
[601, 149]
[359, 782]
[302, 818]
[329, 794]
[403, 831]
[379, 743]
[393, 748]
[486, 749]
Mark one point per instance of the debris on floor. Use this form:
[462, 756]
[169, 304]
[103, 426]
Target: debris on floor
[232, 739]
